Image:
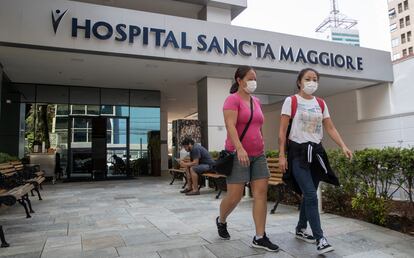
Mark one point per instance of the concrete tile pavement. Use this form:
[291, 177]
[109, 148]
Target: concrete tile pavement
[149, 218]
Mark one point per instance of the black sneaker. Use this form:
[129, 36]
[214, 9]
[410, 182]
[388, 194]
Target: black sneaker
[302, 235]
[265, 243]
[323, 246]
[222, 230]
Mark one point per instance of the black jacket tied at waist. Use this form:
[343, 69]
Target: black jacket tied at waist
[312, 156]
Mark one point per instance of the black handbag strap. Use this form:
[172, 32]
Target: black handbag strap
[250, 120]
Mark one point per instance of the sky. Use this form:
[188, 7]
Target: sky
[301, 17]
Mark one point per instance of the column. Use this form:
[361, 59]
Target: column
[211, 93]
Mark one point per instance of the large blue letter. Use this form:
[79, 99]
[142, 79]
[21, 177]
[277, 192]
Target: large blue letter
[170, 39]
[201, 39]
[269, 52]
[120, 30]
[184, 41]
[284, 55]
[133, 32]
[241, 48]
[75, 28]
[214, 44]
[359, 64]
[229, 45]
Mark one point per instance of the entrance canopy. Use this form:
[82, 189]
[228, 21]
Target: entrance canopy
[80, 44]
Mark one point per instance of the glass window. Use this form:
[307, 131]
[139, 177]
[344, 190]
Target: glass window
[401, 23]
[78, 109]
[92, 110]
[400, 8]
[80, 123]
[107, 110]
[62, 110]
[393, 27]
[404, 52]
[392, 13]
[396, 56]
[402, 38]
[52, 94]
[84, 95]
[406, 5]
[395, 42]
[409, 36]
[410, 50]
[122, 111]
[117, 97]
[61, 123]
[142, 120]
[407, 20]
[79, 135]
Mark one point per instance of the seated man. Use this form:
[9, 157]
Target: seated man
[201, 161]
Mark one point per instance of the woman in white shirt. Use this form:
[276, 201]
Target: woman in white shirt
[307, 163]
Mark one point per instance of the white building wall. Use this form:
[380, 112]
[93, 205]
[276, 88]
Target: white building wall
[377, 116]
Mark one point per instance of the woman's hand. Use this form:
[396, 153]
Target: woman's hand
[283, 165]
[243, 157]
[347, 152]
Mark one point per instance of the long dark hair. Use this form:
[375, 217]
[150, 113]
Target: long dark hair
[302, 73]
[240, 73]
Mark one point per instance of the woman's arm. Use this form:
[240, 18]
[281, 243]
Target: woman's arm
[333, 133]
[284, 123]
[230, 119]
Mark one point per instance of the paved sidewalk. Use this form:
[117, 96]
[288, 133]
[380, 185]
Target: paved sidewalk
[149, 218]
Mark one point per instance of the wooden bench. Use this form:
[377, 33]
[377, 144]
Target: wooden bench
[11, 194]
[178, 173]
[218, 180]
[20, 189]
[34, 177]
[275, 180]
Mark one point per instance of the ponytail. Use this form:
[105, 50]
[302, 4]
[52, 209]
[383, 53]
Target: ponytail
[234, 88]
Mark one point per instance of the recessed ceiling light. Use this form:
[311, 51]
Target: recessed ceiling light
[74, 59]
[153, 66]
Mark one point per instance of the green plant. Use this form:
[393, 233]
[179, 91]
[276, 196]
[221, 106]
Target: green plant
[272, 154]
[407, 178]
[214, 154]
[4, 157]
[373, 208]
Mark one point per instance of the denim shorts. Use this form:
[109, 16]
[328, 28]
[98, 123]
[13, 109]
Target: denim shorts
[201, 168]
[257, 170]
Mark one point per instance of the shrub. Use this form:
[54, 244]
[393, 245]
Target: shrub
[272, 154]
[4, 157]
[373, 208]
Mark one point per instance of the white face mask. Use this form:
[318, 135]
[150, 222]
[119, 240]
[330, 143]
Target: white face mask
[310, 87]
[251, 86]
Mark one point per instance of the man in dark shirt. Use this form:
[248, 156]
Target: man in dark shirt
[201, 161]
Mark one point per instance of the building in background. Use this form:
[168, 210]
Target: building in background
[400, 13]
[337, 27]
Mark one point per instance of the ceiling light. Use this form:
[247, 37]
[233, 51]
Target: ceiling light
[152, 66]
[73, 59]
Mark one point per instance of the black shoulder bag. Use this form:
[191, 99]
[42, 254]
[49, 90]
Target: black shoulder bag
[224, 164]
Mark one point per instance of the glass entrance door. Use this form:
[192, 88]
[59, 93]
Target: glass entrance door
[80, 147]
[98, 147]
[118, 156]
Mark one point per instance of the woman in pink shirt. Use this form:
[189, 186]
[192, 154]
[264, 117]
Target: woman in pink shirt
[250, 164]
